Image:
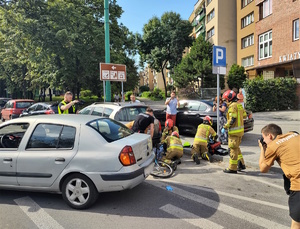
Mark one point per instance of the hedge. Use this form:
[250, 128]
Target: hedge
[269, 95]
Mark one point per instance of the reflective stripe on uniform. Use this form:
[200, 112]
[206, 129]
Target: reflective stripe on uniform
[240, 156]
[233, 162]
[200, 138]
[240, 127]
[67, 110]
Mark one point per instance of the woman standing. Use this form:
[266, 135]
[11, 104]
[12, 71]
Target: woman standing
[222, 119]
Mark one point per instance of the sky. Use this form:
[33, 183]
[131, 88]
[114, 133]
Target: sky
[137, 13]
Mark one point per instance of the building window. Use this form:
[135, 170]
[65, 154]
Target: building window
[211, 15]
[265, 45]
[296, 30]
[248, 20]
[246, 2]
[248, 61]
[247, 41]
[210, 33]
[265, 9]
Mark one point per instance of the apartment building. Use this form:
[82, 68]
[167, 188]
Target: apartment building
[276, 40]
[247, 15]
[198, 18]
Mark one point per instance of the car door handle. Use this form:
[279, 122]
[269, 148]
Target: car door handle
[60, 159]
[7, 159]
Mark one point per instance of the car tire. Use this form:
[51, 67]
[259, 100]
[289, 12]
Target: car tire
[79, 191]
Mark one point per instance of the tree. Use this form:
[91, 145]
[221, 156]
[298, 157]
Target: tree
[236, 76]
[164, 41]
[197, 64]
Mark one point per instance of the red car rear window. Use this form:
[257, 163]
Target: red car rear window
[23, 104]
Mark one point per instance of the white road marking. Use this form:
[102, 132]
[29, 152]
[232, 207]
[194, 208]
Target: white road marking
[261, 202]
[222, 207]
[264, 182]
[40, 218]
[190, 217]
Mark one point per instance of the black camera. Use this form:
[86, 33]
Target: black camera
[261, 139]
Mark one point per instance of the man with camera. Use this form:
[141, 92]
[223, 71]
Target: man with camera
[285, 149]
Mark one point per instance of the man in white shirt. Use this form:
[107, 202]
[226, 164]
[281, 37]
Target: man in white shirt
[133, 100]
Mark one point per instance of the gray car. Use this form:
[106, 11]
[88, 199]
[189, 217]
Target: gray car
[76, 155]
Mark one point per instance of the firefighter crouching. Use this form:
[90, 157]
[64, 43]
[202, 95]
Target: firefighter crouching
[174, 149]
[235, 127]
[199, 148]
[169, 129]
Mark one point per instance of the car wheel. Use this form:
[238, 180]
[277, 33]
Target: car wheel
[79, 191]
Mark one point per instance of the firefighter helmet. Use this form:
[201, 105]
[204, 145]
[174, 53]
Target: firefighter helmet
[207, 119]
[175, 133]
[169, 123]
[229, 95]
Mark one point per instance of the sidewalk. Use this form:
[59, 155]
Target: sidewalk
[287, 120]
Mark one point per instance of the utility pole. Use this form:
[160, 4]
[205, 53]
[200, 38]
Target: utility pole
[107, 49]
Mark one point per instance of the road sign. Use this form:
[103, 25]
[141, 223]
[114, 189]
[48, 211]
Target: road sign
[112, 72]
[219, 60]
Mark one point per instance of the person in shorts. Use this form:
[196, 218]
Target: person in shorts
[285, 149]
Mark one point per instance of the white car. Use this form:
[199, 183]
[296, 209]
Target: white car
[76, 155]
[123, 112]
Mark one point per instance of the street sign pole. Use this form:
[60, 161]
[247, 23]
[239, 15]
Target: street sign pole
[107, 95]
[219, 67]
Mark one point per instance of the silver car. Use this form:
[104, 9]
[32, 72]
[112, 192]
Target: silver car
[76, 155]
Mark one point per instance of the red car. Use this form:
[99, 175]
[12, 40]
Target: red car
[13, 108]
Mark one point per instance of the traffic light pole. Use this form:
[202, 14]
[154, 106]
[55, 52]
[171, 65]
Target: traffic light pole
[107, 91]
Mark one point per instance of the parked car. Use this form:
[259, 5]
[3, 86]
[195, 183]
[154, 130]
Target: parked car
[40, 108]
[76, 155]
[3, 101]
[123, 112]
[192, 112]
[14, 107]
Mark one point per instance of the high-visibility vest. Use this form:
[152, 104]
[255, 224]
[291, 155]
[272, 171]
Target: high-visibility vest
[175, 144]
[67, 110]
[236, 111]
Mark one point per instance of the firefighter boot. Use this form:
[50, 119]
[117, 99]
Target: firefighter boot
[196, 159]
[241, 166]
[207, 156]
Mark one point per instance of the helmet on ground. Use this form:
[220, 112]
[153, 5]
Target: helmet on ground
[186, 144]
[169, 123]
[175, 133]
[229, 95]
[207, 119]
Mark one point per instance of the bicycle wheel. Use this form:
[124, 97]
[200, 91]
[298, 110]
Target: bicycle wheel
[162, 170]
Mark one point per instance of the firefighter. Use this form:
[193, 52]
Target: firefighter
[235, 127]
[169, 129]
[174, 149]
[204, 131]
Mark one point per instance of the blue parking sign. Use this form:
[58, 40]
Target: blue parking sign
[219, 60]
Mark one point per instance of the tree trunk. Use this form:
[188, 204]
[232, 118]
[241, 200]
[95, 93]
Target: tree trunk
[50, 94]
[164, 79]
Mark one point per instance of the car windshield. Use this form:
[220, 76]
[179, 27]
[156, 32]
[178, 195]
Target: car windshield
[23, 104]
[110, 129]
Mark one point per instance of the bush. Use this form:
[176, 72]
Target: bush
[144, 88]
[268, 95]
[86, 93]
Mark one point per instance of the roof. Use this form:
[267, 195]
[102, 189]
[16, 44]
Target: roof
[22, 100]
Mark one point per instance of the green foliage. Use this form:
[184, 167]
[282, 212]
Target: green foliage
[59, 44]
[236, 76]
[144, 88]
[156, 94]
[86, 93]
[128, 94]
[146, 94]
[163, 42]
[188, 92]
[197, 65]
[273, 94]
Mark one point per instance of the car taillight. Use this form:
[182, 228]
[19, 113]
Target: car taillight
[49, 112]
[127, 156]
[249, 116]
[159, 127]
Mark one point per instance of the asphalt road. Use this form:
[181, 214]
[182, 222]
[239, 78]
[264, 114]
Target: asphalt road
[197, 196]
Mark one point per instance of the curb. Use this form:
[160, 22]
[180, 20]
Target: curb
[187, 151]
